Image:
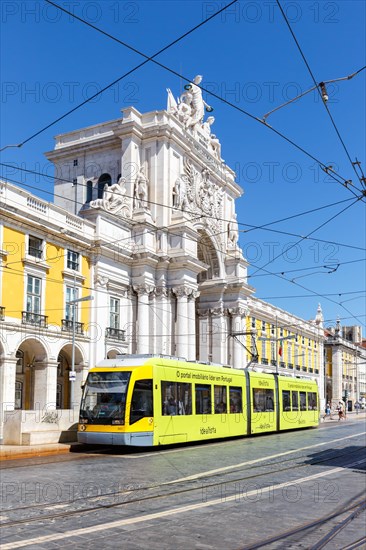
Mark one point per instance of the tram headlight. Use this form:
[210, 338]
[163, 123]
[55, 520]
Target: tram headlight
[83, 420]
[82, 428]
[117, 422]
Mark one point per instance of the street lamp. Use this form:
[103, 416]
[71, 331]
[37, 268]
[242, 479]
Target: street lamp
[72, 375]
[322, 90]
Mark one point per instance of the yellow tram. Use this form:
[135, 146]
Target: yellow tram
[146, 400]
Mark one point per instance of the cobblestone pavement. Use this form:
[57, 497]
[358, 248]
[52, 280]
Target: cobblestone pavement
[231, 494]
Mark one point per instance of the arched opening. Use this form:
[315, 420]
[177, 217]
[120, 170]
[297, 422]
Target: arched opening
[207, 254]
[62, 392]
[105, 179]
[64, 366]
[29, 353]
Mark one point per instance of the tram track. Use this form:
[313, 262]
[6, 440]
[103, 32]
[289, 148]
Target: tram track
[199, 484]
[353, 511]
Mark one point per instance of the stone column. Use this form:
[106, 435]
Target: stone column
[7, 387]
[192, 325]
[45, 385]
[162, 325]
[238, 354]
[218, 337]
[182, 293]
[204, 344]
[143, 316]
[336, 374]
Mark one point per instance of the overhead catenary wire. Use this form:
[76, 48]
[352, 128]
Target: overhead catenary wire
[251, 227]
[305, 288]
[333, 174]
[309, 234]
[317, 87]
[279, 276]
[147, 59]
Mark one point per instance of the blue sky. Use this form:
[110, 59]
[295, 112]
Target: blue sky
[51, 63]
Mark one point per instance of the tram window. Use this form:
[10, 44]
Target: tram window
[263, 400]
[220, 399]
[312, 401]
[286, 403]
[302, 401]
[235, 400]
[176, 398]
[142, 400]
[203, 399]
[295, 400]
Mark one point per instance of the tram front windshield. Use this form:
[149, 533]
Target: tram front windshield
[104, 398]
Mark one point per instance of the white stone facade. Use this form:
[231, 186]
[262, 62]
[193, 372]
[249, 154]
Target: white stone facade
[163, 204]
[149, 203]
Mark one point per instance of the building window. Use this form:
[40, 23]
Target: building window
[263, 326]
[281, 331]
[18, 395]
[89, 191]
[33, 294]
[35, 246]
[75, 162]
[289, 353]
[273, 351]
[253, 322]
[263, 350]
[73, 260]
[105, 179]
[71, 309]
[59, 396]
[272, 330]
[114, 313]
[20, 362]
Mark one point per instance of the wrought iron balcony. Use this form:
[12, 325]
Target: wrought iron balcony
[2, 313]
[290, 366]
[282, 364]
[36, 319]
[273, 362]
[264, 361]
[115, 334]
[298, 367]
[68, 326]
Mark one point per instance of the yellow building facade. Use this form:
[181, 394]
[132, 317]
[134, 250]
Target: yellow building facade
[44, 266]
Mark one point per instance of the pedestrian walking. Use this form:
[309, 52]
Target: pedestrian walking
[327, 409]
[357, 407]
[340, 411]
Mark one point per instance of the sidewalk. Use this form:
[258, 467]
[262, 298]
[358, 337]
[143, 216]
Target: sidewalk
[349, 416]
[11, 452]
